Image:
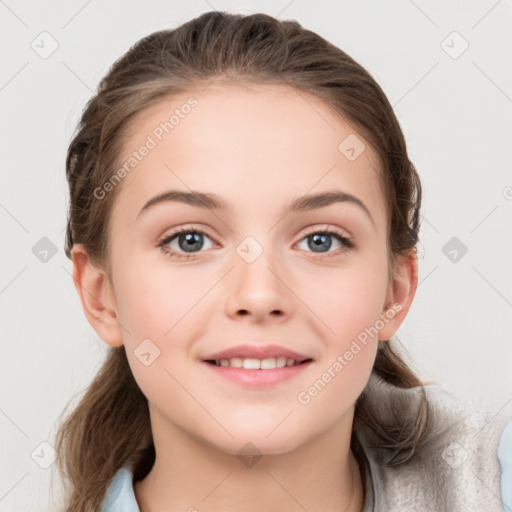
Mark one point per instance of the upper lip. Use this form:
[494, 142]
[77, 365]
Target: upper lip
[257, 352]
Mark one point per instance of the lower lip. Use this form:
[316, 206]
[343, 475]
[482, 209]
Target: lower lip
[260, 377]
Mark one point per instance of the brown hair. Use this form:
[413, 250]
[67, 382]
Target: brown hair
[110, 427]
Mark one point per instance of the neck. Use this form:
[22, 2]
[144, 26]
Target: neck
[322, 475]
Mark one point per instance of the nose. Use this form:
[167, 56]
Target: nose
[259, 290]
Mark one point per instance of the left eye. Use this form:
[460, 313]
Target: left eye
[322, 240]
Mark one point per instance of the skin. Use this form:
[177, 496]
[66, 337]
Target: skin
[258, 148]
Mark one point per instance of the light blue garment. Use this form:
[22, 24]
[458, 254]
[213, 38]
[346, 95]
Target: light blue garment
[120, 496]
[505, 457]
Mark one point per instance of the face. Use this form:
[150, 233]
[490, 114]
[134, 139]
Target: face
[253, 270]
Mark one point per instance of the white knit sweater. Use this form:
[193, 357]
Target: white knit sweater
[459, 469]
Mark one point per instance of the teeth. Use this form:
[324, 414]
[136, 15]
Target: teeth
[250, 363]
[281, 361]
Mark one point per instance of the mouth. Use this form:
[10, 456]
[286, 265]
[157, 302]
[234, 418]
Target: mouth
[256, 365]
[253, 373]
[250, 363]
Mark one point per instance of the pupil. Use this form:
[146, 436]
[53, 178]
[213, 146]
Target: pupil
[190, 240]
[319, 239]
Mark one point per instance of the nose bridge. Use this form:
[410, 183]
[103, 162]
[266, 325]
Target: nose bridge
[256, 285]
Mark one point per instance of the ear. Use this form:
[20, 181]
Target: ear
[96, 295]
[400, 294]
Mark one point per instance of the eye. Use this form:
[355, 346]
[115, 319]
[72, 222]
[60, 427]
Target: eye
[320, 241]
[184, 242]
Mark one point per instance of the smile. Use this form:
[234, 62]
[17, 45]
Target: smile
[256, 373]
[250, 363]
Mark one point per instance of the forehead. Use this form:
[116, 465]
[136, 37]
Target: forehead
[243, 142]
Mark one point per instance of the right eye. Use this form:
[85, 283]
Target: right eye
[185, 240]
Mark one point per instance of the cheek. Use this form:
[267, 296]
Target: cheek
[163, 305]
[346, 301]
[154, 301]
[350, 307]
[338, 384]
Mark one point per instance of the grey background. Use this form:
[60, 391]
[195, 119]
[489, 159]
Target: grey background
[455, 113]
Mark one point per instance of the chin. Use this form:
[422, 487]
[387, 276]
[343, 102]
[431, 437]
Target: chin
[256, 447]
[255, 441]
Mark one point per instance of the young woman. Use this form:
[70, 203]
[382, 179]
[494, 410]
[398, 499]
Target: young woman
[243, 223]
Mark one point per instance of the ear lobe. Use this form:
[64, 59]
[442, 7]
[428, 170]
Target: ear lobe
[95, 294]
[401, 292]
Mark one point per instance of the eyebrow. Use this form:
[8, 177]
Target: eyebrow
[212, 201]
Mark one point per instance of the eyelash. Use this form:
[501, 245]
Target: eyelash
[171, 253]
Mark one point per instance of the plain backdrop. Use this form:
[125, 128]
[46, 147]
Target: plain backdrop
[445, 66]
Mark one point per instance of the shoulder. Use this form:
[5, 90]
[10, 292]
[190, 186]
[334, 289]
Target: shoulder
[505, 458]
[456, 465]
[120, 494]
